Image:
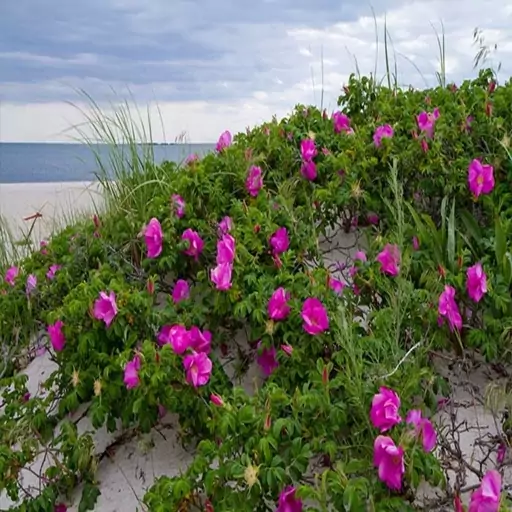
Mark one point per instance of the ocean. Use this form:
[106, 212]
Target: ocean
[40, 163]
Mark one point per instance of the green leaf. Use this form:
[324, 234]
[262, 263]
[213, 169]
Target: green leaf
[450, 244]
[89, 497]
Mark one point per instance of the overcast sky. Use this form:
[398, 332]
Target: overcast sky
[224, 64]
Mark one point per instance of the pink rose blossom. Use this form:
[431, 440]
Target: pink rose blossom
[221, 276]
[382, 132]
[254, 181]
[31, 284]
[288, 502]
[267, 360]
[476, 283]
[225, 249]
[279, 241]
[308, 149]
[198, 368]
[314, 316]
[384, 413]
[195, 243]
[389, 459]
[224, 141]
[341, 122]
[336, 285]
[426, 122]
[56, 335]
[480, 178]
[200, 341]
[52, 271]
[175, 335]
[278, 308]
[216, 400]
[448, 308]
[131, 373]
[181, 291]
[389, 259]
[423, 428]
[194, 157]
[487, 497]
[360, 256]
[11, 275]
[179, 205]
[287, 349]
[105, 308]
[308, 170]
[153, 236]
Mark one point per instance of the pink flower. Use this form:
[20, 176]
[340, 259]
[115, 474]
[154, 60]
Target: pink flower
[448, 308]
[224, 141]
[56, 335]
[11, 275]
[31, 284]
[384, 413]
[266, 359]
[389, 459]
[373, 218]
[341, 122]
[424, 145]
[179, 205]
[175, 335]
[382, 132]
[501, 453]
[60, 507]
[254, 181]
[308, 149]
[191, 159]
[360, 256]
[198, 368]
[487, 497]
[415, 243]
[105, 308]
[181, 291]
[43, 245]
[216, 400]
[287, 349]
[200, 341]
[288, 502]
[308, 170]
[278, 308]
[476, 283]
[221, 276]
[225, 249]
[423, 429]
[195, 243]
[153, 235]
[52, 271]
[426, 122]
[389, 259]
[314, 316]
[336, 285]
[225, 225]
[467, 124]
[131, 373]
[279, 241]
[480, 178]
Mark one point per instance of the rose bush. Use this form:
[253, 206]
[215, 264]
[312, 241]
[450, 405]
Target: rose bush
[225, 257]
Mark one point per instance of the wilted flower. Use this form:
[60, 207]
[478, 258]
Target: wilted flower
[423, 429]
[195, 243]
[382, 132]
[105, 308]
[31, 284]
[200, 341]
[153, 236]
[314, 316]
[224, 141]
[198, 368]
[56, 335]
[389, 459]
[225, 225]
[448, 308]
[480, 178]
[476, 283]
[389, 259]
[52, 271]
[254, 181]
[266, 359]
[181, 291]
[278, 308]
[179, 205]
[384, 413]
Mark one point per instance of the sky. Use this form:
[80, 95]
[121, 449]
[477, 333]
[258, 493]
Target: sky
[198, 67]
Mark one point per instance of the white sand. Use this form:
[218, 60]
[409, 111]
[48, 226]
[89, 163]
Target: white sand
[131, 469]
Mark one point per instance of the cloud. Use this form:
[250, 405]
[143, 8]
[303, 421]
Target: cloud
[236, 60]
